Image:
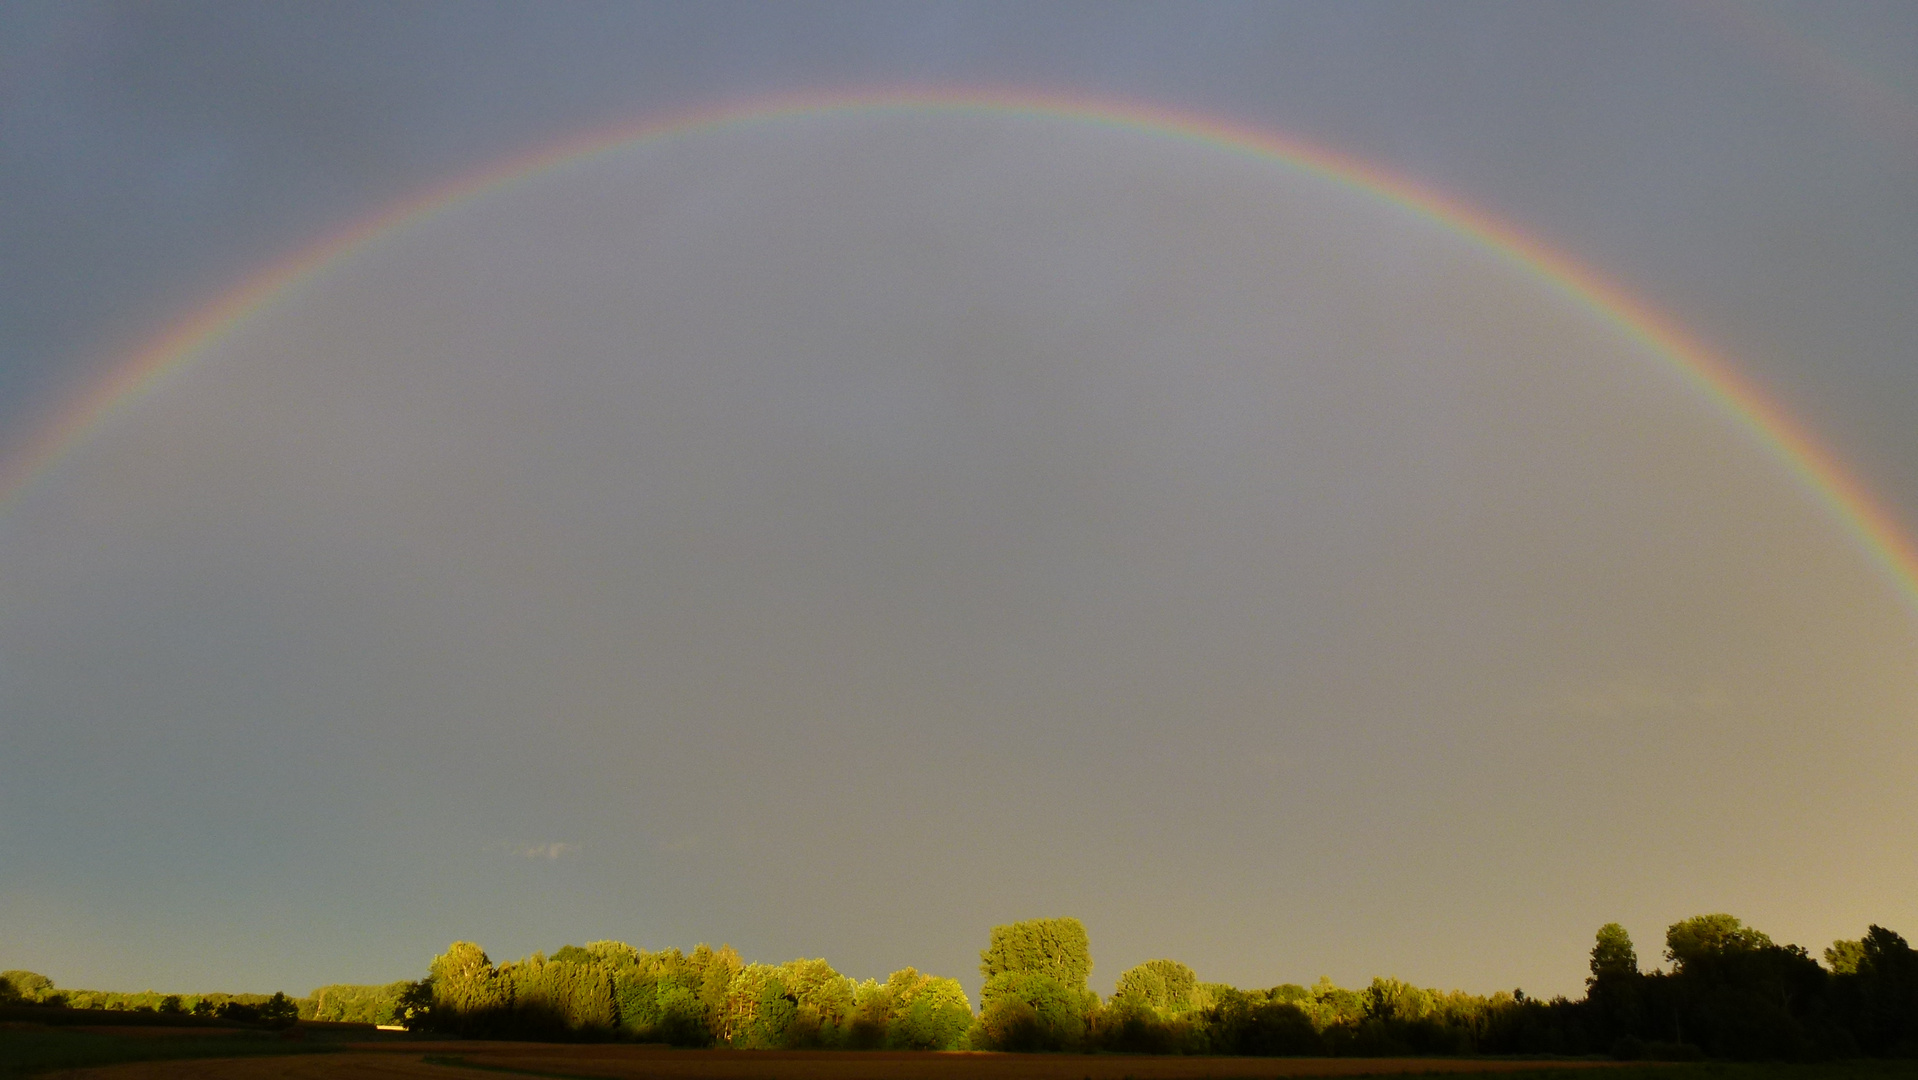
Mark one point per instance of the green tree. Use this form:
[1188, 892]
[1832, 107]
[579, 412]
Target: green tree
[1333, 1006]
[1883, 994]
[1615, 991]
[468, 994]
[658, 994]
[773, 1018]
[1395, 999]
[412, 1006]
[1613, 956]
[682, 1018]
[1843, 957]
[358, 1004]
[925, 1013]
[28, 985]
[278, 1010]
[715, 971]
[1035, 995]
[825, 999]
[581, 990]
[1057, 948]
[1735, 993]
[797, 1005]
[871, 1012]
[1166, 986]
[1704, 937]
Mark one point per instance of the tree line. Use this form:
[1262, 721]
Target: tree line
[1730, 992]
[708, 997]
[32, 988]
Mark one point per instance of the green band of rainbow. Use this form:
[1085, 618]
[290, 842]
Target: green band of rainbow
[1829, 481]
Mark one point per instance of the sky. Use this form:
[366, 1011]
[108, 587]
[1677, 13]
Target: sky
[839, 533]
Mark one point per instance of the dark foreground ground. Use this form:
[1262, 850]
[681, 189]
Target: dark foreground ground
[103, 1053]
[34, 1049]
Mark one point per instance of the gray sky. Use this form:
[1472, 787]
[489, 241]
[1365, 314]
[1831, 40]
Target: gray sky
[838, 537]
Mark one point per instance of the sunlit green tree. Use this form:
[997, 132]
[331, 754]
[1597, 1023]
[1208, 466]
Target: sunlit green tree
[925, 1013]
[468, 994]
[1035, 994]
[1843, 956]
[1166, 986]
[1056, 948]
[1703, 937]
[28, 985]
[1613, 955]
[1880, 994]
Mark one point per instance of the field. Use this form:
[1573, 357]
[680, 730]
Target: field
[193, 1058]
[32, 1050]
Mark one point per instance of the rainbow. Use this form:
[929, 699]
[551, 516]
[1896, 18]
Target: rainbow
[1831, 484]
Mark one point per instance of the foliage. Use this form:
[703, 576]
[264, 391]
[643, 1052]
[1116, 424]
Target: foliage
[1166, 986]
[925, 1013]
[1842, 957]
[1732, 993]
[1704, 938]
[798, 1005]
[1613, 956]
[276, 1010]
[1879, 996]
[341, 1003]
[609, 989]
[1035, 995]
[413, 1008]
[1055, 948]
[26, 985]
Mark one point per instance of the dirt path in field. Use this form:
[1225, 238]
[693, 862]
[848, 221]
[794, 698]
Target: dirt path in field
[494, 1060]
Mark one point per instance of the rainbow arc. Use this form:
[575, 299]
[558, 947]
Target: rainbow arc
[1831, 483]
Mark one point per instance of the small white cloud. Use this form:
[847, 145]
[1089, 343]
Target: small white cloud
[550, 851]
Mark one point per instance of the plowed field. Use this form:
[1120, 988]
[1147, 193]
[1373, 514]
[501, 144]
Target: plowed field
[492, 1060]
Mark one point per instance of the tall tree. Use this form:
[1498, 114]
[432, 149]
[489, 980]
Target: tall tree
[1884, 994]
[924, 1012]
[1613, 956]
[1167, 986]
[1056, 948]
[1703, 937]
[1843, 956]
[1735, 993]
[468, 994]
[30, 985]
[1035, 995]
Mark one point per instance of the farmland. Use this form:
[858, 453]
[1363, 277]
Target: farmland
[148, 1053]
[490, 1060]
[322, 1052]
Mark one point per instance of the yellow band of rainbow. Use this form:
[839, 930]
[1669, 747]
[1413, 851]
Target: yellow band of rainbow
[1828, 480]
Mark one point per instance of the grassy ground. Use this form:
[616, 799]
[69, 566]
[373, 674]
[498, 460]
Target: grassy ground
[28, 1051]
